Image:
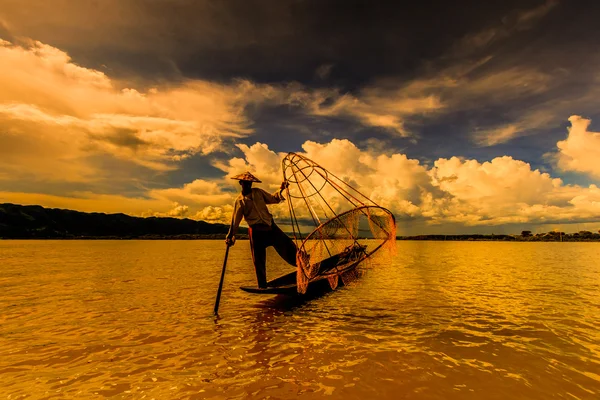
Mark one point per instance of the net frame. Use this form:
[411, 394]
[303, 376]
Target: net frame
[312, 184]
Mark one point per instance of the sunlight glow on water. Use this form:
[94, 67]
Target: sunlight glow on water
[443, 320]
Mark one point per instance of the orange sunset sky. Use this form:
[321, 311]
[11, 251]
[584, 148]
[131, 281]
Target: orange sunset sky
[466, 119]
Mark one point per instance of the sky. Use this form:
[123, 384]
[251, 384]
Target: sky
[459, 117]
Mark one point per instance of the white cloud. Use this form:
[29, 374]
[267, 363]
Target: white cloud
[219, 214]
[178, 211]
[260, 161]
[468, 192]
[501, 191]
[392, 181]
[580, 151]
[49, 102]
[199, 193]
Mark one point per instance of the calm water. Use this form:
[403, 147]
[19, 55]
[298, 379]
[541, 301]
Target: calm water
[443, 320]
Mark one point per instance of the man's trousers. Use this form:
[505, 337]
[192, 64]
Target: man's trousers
[263, 236]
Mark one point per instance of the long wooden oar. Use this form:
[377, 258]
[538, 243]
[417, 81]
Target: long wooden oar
[221, 283]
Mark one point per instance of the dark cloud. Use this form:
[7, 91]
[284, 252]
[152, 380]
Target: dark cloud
[285, 128]
[123, 138]
[197, 166]
[4, 32]
[266, 41]
[343, 44]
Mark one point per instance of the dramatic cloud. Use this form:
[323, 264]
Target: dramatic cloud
[390, 103]
[376, 107]
[382, 105]
[580, 151]
[212, 214]
[56, 113]
[462, 87]
[499, 192]
[502, 191]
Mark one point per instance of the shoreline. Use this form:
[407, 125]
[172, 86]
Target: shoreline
[133, 237]
[583, 236]
[433, 238]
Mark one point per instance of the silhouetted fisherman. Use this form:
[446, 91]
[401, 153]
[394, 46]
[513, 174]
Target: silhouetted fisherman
[251, 205]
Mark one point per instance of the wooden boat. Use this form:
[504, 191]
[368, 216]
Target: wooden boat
[287, 284]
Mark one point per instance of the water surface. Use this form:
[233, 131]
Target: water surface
[441, 320]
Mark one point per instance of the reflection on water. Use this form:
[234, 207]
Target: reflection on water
[443, 320]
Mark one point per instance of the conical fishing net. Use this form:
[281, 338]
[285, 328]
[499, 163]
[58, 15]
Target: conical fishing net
[336, 227]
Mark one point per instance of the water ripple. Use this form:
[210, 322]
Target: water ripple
[441, 320]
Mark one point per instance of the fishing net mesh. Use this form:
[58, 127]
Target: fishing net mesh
[336, 249]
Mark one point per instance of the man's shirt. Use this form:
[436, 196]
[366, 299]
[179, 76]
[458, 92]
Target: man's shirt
[253, 208]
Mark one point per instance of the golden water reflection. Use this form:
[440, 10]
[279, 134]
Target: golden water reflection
[132, 319]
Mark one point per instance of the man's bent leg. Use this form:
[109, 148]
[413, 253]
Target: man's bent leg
[284, 245]
[259, 256]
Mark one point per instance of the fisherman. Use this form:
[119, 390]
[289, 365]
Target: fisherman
[251, 204]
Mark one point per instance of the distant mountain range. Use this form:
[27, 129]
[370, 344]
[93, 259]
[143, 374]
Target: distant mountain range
[37, 222]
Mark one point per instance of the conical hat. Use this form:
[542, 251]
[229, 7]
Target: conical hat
[246, 176]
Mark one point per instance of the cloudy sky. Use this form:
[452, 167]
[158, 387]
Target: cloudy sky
[463, 116]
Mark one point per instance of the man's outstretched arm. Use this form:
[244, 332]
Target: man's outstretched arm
[276, 197]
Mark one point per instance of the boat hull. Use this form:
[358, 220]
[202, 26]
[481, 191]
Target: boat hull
[287, 285]
[282, 286]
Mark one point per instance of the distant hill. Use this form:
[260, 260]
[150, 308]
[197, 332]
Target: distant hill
[37, 222]
[526, 236]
